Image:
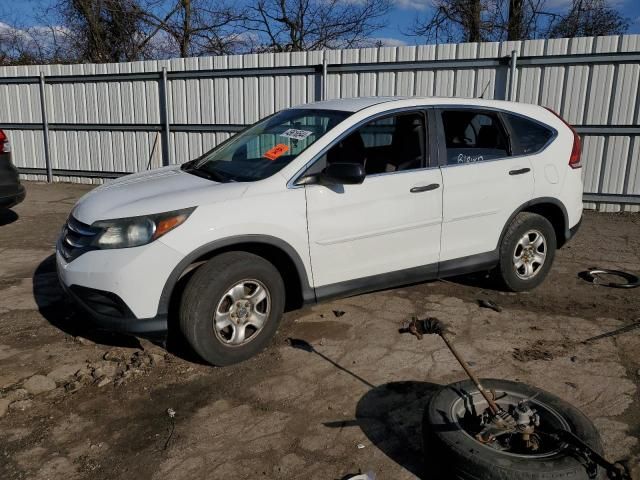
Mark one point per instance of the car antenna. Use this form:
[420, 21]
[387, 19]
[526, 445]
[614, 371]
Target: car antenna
[485, 89]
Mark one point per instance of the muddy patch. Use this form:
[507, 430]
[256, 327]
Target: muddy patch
[317, 331]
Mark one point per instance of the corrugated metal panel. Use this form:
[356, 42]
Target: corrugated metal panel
[425, 80]
[585, 94]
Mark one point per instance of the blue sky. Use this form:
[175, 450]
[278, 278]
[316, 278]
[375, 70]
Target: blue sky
[400, 19]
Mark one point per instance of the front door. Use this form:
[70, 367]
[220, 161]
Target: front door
[388, 224]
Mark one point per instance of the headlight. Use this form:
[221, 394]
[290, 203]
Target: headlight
[137, 231]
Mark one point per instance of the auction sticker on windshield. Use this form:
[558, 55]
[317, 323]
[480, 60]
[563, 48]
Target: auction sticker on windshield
[276, 151]
[296, 134]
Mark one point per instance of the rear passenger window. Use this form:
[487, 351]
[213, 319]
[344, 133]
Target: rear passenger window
[529, 136]
[473, 136]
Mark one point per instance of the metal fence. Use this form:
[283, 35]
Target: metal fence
[90, 122]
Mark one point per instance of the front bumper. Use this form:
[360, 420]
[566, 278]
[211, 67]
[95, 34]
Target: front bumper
[93, 302]
[120, 288]
[13, 198]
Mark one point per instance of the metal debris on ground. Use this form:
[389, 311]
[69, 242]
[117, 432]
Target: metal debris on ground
[613, 333]
[171, 413]
[592, 459]
[419, 328]
[490, 304]
[593, 275]
[362, 476]
[520, 423]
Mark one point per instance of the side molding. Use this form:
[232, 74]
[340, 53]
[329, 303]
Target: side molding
[377, 282]
[470, 264]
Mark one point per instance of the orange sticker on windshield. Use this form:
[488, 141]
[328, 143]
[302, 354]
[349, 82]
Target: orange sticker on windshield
[276, 151]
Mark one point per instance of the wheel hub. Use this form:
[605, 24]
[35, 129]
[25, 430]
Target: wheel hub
[242, 312]
[529, 254]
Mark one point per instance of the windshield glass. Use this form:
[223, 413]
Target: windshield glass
[266, 147]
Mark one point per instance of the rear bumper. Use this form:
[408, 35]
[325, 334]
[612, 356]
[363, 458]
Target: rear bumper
[8, 200]
[572, 231]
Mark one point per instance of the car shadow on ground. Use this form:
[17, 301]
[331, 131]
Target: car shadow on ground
[390, 415]
[7, 216]
[61, 312]
[481, 280]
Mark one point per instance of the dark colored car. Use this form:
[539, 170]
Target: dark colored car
[11, 192]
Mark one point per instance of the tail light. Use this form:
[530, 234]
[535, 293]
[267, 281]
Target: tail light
[5, 146]
[576, 152]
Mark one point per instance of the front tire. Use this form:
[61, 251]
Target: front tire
[231, 307]
[527, 251]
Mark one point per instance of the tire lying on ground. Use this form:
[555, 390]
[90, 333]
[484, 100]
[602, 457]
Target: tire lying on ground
[452, 453]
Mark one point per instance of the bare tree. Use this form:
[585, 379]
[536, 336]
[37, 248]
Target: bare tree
[459, 20]
[486, 20]
[589, 18]
[524, 19]
[515, 22]
[296, 25]
[195, 27]
[22, 45]
[102, 30]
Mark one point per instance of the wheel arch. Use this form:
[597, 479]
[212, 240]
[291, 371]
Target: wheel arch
[277, 251]
[550, 208]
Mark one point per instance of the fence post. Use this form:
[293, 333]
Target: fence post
[45, 129]
[164, 113]
[324, 75]
[512, 75]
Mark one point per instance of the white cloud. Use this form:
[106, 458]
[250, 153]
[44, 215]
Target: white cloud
[413, 4]
[565, 4]
[30, 38]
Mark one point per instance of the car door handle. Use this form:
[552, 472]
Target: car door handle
[519, 171]
[425, 188]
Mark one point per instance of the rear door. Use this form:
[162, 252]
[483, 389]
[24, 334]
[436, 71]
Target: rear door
[484, 183]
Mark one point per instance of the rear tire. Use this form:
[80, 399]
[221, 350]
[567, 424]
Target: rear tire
[527, 251]
[231, 307]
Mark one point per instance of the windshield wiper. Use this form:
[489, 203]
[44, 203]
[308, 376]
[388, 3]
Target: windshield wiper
[213, 176]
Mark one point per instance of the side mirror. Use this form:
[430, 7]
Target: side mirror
[344, 173]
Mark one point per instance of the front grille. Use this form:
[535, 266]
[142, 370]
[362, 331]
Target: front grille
[76, 239]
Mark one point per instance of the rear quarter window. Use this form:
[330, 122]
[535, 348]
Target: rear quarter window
[528, 136]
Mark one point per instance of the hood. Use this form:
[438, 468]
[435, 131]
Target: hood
[155, 191]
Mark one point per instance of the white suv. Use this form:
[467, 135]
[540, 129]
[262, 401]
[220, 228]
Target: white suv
[320, 201]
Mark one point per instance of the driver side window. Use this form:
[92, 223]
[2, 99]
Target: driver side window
[386, 145]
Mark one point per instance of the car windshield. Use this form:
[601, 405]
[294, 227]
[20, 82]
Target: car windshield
[266, 147]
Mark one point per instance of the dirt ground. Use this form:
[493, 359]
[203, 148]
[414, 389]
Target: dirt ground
[76, 404]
